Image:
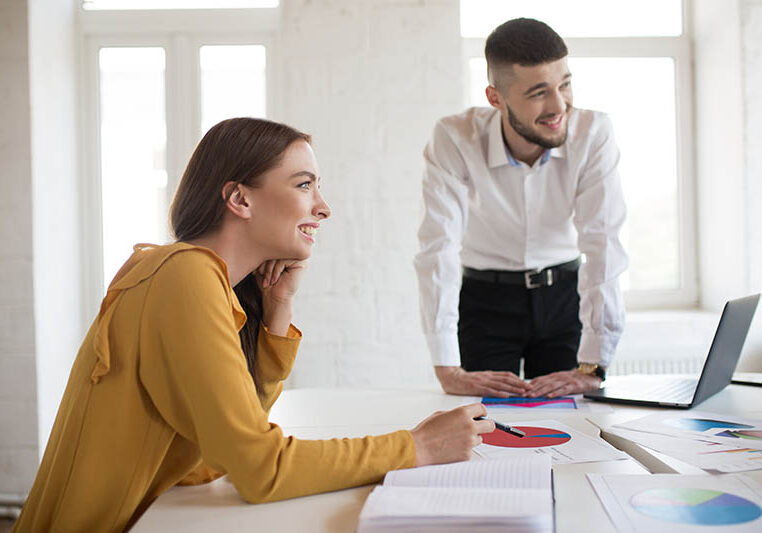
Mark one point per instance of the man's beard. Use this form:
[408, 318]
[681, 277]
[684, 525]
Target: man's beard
[531, 136]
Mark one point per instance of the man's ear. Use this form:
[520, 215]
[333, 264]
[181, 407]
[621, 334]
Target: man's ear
[493, 97]
[237, 199]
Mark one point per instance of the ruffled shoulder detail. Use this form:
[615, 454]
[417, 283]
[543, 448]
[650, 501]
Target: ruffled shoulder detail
[145, 260]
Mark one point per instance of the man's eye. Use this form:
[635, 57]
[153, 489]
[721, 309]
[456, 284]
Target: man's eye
[536, 95]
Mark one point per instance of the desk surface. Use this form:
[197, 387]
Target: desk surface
[324, 413]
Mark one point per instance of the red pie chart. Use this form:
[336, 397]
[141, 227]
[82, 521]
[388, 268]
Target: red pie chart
[535, 438]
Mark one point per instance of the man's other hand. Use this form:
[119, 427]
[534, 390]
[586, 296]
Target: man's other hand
[498, 384]
[562, 383]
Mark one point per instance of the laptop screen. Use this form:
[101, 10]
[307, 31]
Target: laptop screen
[726, 346]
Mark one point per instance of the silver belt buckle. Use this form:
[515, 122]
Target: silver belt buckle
[529, 284]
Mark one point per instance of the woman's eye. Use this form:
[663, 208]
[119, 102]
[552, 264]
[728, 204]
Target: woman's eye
[305, 185]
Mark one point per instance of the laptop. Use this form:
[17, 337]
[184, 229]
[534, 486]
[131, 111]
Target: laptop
[684, 393]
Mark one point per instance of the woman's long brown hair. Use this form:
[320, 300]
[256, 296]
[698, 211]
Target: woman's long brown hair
[238, 150]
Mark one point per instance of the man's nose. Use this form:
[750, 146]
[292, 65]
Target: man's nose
[557, 103]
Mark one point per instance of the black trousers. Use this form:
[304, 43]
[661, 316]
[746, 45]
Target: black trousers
[500, 324]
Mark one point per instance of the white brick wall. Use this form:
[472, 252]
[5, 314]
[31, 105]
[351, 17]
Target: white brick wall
[368, 79]
[53, 74]
[18, 396]
[752, 51]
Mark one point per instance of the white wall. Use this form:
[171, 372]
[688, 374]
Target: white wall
[723, 254]
[728, 47]
[40, 282]
[368, 79]
[752, 97]
[18, 390]
[751, 17]
[53, 73]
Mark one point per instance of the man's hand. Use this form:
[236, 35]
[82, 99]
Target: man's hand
[455, 380]
[562, 383]
[448, 436]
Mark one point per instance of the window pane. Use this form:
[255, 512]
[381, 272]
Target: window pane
[580, 18]
[639, 96]
[133, 148]
[175, 4]
[232, 83]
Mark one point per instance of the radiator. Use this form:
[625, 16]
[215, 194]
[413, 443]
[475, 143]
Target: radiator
[656, 366]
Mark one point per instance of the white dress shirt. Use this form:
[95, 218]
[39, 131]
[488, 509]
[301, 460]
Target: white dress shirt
[486, 210]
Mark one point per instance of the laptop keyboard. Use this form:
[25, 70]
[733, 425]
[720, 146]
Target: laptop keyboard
[675, 390]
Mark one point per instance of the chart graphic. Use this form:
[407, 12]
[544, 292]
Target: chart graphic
[518, 402]
[695, 506]
[742, 434]
[702, 424]
[536, 437]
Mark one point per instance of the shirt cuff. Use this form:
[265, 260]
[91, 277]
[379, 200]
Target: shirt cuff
[597, 349]
[276, 353]
[444, 349]
[292, 333]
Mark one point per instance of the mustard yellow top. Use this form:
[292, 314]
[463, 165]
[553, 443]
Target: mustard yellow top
[160, 384]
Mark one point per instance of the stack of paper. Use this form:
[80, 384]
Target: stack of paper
[713, 442]
[477, 496]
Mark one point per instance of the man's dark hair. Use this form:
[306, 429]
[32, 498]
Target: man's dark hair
[526, 42]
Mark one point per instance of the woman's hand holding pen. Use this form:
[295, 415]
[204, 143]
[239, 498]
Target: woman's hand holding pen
[448, 436]
[279, 281]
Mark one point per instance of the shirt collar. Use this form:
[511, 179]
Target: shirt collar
[498, 153]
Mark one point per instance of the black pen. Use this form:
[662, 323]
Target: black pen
[504, 427]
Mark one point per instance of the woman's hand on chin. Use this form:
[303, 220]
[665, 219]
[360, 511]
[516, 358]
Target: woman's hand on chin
[279, 281]
[279, 278]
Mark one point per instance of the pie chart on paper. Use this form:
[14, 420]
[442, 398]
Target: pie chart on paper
[702, 507]
[742, 434]
[535, 437]
[702, 424]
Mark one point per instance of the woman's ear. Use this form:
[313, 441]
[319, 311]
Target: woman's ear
[237, 199]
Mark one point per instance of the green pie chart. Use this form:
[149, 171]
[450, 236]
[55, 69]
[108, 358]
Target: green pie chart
[695, 506]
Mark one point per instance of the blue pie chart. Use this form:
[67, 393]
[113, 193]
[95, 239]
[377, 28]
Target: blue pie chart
[702, 507]
[702, 424]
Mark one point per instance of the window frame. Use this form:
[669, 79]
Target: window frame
[680, 49]
[181, 33]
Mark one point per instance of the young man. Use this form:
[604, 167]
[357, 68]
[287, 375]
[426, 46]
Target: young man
[514, 194]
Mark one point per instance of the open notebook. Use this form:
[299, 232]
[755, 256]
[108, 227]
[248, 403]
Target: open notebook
[478, 495]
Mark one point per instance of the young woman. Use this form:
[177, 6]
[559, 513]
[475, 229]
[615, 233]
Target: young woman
[176, 377]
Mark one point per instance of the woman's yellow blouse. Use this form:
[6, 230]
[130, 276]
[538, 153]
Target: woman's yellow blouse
[160, 390]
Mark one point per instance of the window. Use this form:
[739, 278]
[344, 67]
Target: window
[581, 18]
[632, 62]
[151, 94]
[133, 134]
[175, 4]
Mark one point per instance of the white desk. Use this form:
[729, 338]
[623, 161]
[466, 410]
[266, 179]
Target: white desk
[323, 413]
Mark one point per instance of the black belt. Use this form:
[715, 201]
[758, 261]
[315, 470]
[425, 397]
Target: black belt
[531, 279]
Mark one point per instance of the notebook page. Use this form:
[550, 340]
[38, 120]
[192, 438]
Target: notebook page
[435, 502]
[525, 473]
